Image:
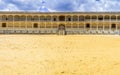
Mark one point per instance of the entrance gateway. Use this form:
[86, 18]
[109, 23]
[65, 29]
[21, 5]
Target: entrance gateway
[61, 29]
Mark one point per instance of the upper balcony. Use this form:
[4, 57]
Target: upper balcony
[61, 18]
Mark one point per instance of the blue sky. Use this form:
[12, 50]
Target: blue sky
[61, 5]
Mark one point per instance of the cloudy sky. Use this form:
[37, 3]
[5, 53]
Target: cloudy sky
[61, 5]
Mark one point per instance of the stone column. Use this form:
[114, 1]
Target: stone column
[71, 21]
[51, 22]
[97, 22]
[104, 24]
[13, 22]
[84, 23]
[78, 22]
[90, 23]
[26, 22]
[32, 21]
[116, 22]
[110, 23]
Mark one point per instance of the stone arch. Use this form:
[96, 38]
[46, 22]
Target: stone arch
[4, 18]
[23, 18]
[61, 27]
[87, 25]
[68, 25]
[87, 17]
[54, 18]
[35, 25]
[113, 17]
[42, 25]
[106, 17]
[100, 17]
[74, 25]
[10, 18]
[81, 25]
[36, 18]
[75, 18]
[55, 25]
[48, 18]
[42, 18]
[17, 18]
[113, 26]
[100, 26]
[29, 18]
[94, 17]
[48, 25]
[62, 18]
[81, 18]
[118, 17]
[68, 18]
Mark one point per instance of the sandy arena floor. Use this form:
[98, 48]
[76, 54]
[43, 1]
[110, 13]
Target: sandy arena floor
[59, 55]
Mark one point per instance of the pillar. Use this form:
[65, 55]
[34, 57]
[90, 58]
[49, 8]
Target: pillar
[97, 22]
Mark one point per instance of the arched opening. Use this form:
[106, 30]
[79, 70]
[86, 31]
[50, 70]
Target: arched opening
[113, 26]
[68, 18]
[94, 18]
[29, 18]
[36, 18]
[100, 18]
[106, 26]
[55, 25]
[10, 18]
[3, 25]
[107, 18]
[88, 25]
[81, 25]
[61, 18]
[0, 18]
[87, 18]
[74, 25]
[42, 18]
[48, 18]
[113, 18]
[35, 25]
[54, 18]
[48, 25]
[118, 18]
[4, 18]
[94, 26]
[17, 18]
[23, 18]
[42, 25]
[100, 26]
[68, 25]
[75, 18]
[81, 18]
[61, 27]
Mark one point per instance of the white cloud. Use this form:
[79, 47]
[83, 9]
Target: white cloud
[61, 5]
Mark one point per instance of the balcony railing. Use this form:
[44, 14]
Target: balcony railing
[59, 21]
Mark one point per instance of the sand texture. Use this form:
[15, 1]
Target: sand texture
[59, 55]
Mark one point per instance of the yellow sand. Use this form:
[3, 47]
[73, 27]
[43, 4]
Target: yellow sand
[59, 55]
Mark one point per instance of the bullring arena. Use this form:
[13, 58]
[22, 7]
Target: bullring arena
[95, 52]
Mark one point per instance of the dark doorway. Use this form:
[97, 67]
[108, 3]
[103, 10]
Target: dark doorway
[87, 25]
[54, 19]
[113, 26]
[69, 19]
[100, 18]
[35, 25]
[3, 24]
[61, 27]
[61, 18]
